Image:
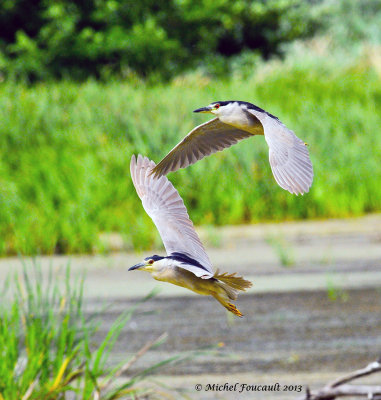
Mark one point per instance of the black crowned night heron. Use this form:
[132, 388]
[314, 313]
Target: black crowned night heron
[186, 263]
[236, 120]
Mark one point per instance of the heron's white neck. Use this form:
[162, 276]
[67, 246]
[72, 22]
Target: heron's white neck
[235, 114]
[159, 267]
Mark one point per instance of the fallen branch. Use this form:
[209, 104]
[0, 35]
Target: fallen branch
[340, 388]
[369, 369]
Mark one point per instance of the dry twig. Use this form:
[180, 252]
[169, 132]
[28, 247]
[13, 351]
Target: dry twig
[340, 388]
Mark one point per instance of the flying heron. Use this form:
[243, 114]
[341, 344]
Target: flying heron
[237, 120]
[186, 263]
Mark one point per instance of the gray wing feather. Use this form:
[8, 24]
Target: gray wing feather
[205, 139]
[164, 205]
[288, 155]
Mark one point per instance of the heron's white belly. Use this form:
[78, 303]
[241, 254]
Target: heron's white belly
[186, 279]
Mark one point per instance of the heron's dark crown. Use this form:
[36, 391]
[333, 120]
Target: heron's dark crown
[249, 106]
[155, 257]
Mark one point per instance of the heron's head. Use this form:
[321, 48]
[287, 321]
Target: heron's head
[149, 264]
[216, 108]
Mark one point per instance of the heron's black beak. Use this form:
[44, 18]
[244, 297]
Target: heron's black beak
[137, 266]
[203, 109]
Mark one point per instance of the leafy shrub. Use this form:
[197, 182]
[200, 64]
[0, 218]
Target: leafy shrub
[78, 39]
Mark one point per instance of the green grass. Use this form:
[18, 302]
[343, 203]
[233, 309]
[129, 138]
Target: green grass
[47, 344]
[65, 150]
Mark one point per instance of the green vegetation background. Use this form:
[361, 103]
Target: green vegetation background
[65, 146]
[75, 39]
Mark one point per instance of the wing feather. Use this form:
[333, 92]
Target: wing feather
[164, 205]
[288, 155]
[202, 141]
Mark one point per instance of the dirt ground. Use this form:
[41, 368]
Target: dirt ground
[313, 314]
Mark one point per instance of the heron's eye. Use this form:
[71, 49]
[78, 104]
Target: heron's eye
[150, 262]
[216, 106]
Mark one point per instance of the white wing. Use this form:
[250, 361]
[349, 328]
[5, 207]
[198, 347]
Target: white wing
[288, 155]
[164, 205]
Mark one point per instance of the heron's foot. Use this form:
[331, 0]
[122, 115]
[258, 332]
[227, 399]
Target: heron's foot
[232, 308]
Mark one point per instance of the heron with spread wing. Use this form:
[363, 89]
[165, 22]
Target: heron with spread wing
[186, 263]
[237, 120]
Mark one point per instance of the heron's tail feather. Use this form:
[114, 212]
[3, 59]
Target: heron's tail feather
[232, 283]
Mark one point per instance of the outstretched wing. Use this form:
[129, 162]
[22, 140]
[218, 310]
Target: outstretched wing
[205, 139]
[164, 205]
[288, 155]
